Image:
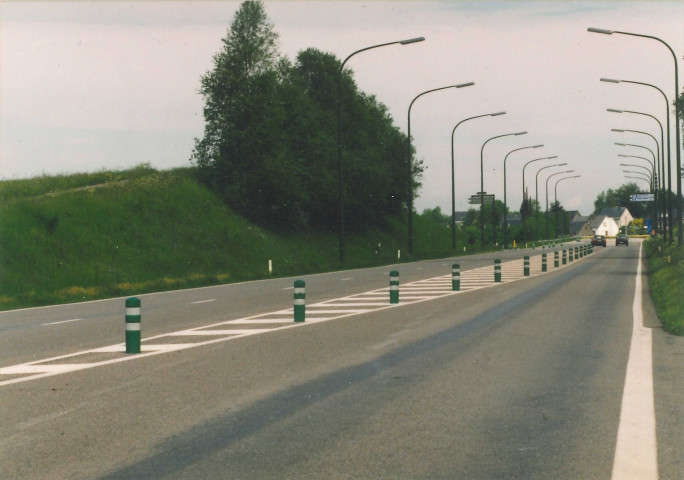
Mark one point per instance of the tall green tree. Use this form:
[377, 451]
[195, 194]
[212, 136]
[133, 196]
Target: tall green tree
[621, 197]
[270, 139]
[240, 110]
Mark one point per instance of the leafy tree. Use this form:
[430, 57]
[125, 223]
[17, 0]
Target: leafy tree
[621, 197]
[270, 140]
[437, 216]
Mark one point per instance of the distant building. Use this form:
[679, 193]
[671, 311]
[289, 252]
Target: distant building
[595, 225]
[621, 215]
[459, 217]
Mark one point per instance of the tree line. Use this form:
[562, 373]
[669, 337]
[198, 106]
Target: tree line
[270, 141]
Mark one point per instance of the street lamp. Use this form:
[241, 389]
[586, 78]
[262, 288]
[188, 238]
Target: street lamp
[522, 213]
[339, 132]
[666, 201]
[642, 167]
[667, 116]
[453, 173]
[677, 115]
[536, 194]
[482, 242]
[639, 178]
[662, 142]
[658, 162]
[547, 197]
[409, 162]
[555, 194]
[505, 227]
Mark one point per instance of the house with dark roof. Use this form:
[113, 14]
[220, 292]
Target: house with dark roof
[621, 215]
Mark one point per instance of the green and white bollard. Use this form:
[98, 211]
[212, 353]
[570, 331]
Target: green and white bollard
[133, 325]
[455, 277]
[497, 270]
[526, 268]
[565, 256]
[544, 268]
[299, 300]
[394, 286]
[555, 259]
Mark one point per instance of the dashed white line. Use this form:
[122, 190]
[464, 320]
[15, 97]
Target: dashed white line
[203, 301]
[64, 321]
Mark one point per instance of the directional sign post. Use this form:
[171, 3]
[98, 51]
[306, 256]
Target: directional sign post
[643, 197]
[475, 199]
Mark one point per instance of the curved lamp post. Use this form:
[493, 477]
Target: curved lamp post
[482, 241]
[555, 193]
[547, 197]
[660, 160]
[662, 222]
[667, 116]
[410, 163]
[536, 193]
[638, 178]
[677, 115]
[339, 131]
[505, 225]
[453, 173]
[523, 188]
[662, 142]
[648, 171]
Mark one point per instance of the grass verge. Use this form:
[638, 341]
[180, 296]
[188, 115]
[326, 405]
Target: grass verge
[666, 282]
[109, 234]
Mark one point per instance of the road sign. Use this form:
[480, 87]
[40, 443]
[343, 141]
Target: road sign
[475, 199]
[643, 197]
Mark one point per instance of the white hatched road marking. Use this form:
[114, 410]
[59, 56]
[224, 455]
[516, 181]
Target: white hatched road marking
[374, 300]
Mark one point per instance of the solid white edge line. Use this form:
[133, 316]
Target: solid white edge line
[636, 451]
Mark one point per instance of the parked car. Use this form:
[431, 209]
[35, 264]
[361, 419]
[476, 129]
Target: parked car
[622, 239]
[598, 240]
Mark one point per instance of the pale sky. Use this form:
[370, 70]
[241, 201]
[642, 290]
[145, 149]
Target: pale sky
[86, 86]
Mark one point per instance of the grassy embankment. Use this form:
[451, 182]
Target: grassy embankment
[666, 282]
[89, 236]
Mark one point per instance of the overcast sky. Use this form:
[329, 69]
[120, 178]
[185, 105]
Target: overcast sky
[86, 86]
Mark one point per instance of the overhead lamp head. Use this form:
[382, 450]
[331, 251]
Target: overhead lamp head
[614, 110]
[461, 85]
[617, 130]
[412, 40]
[538, 146]
[549, 158]
[600, 30]
[520, 133]
[610, 80]
[497, 114]
[621, 144]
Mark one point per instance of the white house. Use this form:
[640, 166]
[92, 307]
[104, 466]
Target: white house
[604, 225]
[620, 214]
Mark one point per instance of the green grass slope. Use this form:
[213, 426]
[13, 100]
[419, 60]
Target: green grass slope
[89, 236]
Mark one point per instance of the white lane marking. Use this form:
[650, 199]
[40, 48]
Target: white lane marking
[63, 321]
[636, 452]
[288, 288]
[38, 369]
[203, 301]
[346, 279]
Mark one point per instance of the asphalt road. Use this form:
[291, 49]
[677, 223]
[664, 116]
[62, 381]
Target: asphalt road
[519, 380]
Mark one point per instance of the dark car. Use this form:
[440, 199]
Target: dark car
[598, 240]
[622, 239]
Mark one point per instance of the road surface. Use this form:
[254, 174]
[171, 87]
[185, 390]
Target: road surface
[520, 379]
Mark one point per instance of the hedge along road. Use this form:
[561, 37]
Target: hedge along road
[330, 309]
[522, 380]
